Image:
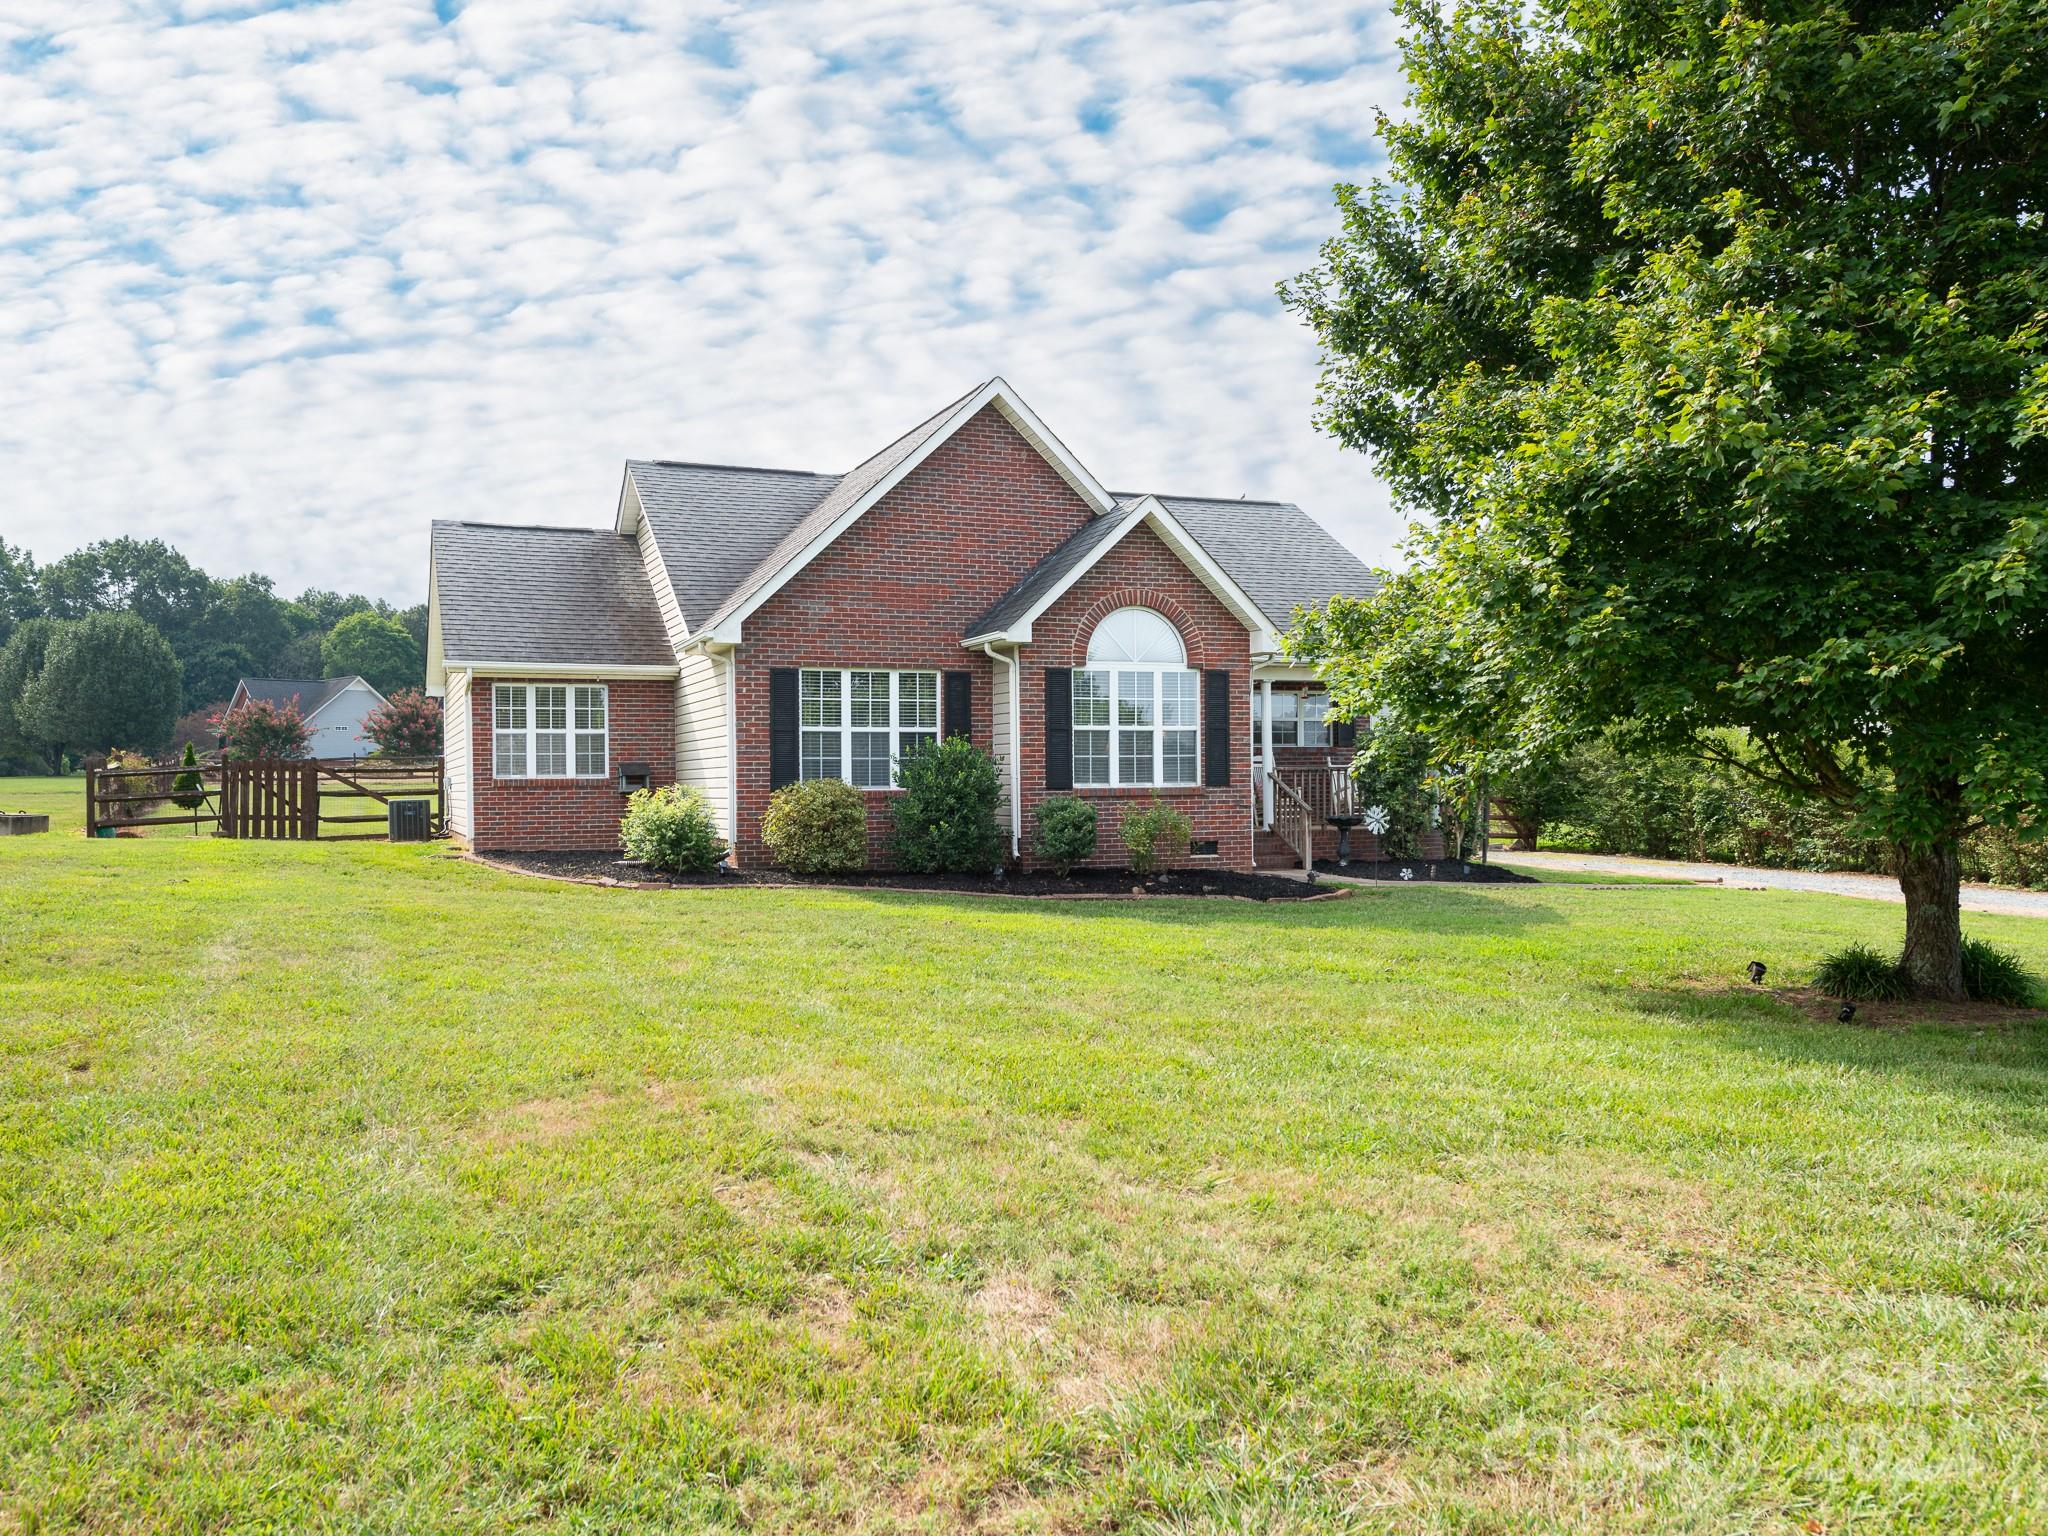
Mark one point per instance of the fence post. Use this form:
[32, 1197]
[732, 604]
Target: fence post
[92, 800]
[309, 801]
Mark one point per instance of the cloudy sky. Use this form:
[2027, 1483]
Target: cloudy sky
[281, 284]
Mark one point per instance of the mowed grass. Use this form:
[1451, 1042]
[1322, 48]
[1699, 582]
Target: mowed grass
[357, 1188]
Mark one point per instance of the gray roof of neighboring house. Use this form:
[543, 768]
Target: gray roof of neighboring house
[311, 692]
[562, 596]
[716, 524]
[1278, 553]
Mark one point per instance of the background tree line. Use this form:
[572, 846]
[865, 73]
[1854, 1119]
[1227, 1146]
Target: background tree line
[126, 643]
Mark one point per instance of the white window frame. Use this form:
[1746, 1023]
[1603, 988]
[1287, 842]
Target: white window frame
[1303, 726]
[527, 731]
[906, 719]
[1118, 682]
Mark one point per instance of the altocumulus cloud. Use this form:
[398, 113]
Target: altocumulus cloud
[279, 284]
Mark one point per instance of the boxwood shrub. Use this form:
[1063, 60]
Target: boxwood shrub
[1066, 832]
[817, 827]
[945, 815]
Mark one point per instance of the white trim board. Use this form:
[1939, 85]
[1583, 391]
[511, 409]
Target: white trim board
[996, 392]
[1150, 512]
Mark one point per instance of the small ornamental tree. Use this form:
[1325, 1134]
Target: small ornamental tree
[187, 789]
[408, 724]
[256, 728]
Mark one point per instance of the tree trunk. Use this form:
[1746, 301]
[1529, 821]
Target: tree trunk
[1930, 877]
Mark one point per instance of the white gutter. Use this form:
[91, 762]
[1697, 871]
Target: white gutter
[1016, 746]
[559, 669]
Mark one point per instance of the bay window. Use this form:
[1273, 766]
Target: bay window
[857, 724]
[549, 731]
[1137, 704]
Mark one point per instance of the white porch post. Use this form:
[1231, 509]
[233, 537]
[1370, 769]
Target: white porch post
[1266, 749]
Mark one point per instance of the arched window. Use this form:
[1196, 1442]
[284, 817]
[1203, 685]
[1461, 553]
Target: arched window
[1137, 717]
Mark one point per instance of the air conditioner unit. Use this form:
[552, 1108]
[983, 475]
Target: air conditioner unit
[411, 821]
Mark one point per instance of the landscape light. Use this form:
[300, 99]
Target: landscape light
[1845, 1013]
[1756, 973]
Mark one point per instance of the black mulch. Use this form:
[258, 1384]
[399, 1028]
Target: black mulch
[1082, 882]
[1435, 870]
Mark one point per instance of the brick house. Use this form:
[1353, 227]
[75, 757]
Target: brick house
[739, 629]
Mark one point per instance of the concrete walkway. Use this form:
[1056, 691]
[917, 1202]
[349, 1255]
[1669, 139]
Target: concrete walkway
[1976, 898]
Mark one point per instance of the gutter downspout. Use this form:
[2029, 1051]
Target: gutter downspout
[988, 649]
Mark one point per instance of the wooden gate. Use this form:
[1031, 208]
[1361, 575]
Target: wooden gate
[270, 799]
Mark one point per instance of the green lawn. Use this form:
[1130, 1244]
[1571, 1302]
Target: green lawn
[356, 1188]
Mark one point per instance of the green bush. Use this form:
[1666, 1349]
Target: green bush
[1994, 975]
[817, 827]
[672, 828]
[1861, 975]
[945, 816]
[188, 788]
[1066, 832]
[1155, 837]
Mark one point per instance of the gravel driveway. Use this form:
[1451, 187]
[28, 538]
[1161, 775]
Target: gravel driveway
[1976, 898]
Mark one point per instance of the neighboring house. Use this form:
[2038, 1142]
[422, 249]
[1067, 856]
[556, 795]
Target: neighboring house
[334, 709]
[740, 629]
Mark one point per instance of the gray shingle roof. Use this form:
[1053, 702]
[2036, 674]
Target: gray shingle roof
[1039, 581]
[1280, 555]
[851, 486]
[716, 524]
[563, 596]
[311, 692]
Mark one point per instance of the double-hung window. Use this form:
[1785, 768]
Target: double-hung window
[549, 731]
[1299, 719]
[1136, 706]
[856, 725]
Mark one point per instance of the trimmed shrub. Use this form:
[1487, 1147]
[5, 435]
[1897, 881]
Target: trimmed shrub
[945, 817]
[187, 789]
[672, 828]
[1994, 975]
[817, 827]
[1860, 974]
[1155, 837]
[1066, 832]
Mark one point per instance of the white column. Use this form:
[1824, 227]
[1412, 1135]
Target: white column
[1266, 748]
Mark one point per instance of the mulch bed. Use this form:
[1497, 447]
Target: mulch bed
[1437, 871]
[1907, 1012]
[610, 869]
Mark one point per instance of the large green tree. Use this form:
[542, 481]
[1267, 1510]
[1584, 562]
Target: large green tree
[108, 680]
[1707, 339]
[20, 596]
[21, 658]
[373, 647]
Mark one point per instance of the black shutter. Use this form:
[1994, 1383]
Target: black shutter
[782, 737]
[1059, 728]
[1344, 733]
[1216, 723]
[959, 716]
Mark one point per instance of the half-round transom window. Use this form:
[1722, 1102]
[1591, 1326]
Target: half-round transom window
[1136, 635]
[1135, 712]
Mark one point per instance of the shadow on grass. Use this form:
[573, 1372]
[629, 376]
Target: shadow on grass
[1435, 910]
[2001, 1059]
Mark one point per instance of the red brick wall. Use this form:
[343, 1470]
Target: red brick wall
[899, 589]
[1141, 572]
[571, 814]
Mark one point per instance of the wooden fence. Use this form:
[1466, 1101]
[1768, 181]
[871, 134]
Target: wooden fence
[271, 799]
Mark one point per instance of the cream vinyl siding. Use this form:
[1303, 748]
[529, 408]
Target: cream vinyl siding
[999, 723]
[657, 577]
[459, 812]
[703, 749]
